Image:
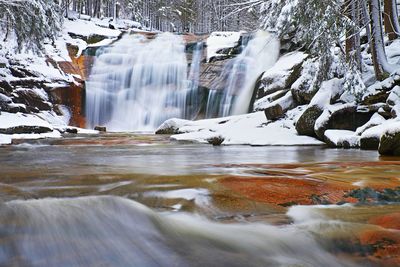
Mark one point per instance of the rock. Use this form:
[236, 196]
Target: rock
[72, 130]
[394, 96]
[32, 100]
[25, 130]
[341, 138]
[171, 126]
[390, 143]
[6, 86]
[100, 128]
[305, 124]
[212, 76]
[216, 141]
[262, 103]
[282, 76]
[342, 117]
[278, 108]
[369, 143]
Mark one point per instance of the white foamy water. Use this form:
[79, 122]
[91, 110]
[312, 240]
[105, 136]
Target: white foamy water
[258, 55]
[112, 231]
[137, 84]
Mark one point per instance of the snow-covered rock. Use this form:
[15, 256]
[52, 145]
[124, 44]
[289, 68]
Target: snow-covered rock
[248, 129]
[283, 74]
[390, 140]
[342, 138]
[220, 40]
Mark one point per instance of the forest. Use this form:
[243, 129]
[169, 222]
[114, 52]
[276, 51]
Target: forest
[199, 133]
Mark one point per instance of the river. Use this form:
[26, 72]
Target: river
[142, 200]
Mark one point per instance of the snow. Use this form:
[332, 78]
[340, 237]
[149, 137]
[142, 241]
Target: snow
[104, 42]
[5, 139]
[9, 120]
[328, 90]
[282, 69]
[87, 28]
[199, 195]
[338, 137]
[220, 40]
[249, 129]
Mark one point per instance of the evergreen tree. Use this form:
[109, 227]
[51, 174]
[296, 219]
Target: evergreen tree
[30, 22]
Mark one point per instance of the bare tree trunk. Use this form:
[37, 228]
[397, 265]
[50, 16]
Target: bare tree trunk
[377, 45]
[389, 19]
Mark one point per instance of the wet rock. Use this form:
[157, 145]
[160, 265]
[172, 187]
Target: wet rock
[369, 143]
[212, 75]
[216, 141]
[171, 126]
[305, 124]
[368, 195]
[71, 130]
[389, 221]
[100, 128]
[278, 108]
[390, 143]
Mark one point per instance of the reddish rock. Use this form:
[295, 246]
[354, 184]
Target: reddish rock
[389, 221]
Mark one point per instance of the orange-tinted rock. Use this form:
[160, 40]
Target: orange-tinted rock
[389, 221]
[385, 245]
[286, 191]
[72, 97]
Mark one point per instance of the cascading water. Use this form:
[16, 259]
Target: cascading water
[258, 55]
[137, 84]
[113, 231]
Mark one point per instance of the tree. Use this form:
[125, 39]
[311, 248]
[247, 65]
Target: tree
[30, 21]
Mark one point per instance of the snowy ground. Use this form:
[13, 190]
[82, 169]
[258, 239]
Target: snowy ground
[249, 129]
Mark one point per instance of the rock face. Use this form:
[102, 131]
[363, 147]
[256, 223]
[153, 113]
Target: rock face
[212, 76]
[390, 143]
[306, 122]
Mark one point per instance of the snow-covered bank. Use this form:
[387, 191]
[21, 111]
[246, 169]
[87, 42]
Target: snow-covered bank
[249, 129]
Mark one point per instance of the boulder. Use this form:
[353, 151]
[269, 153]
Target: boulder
[390, 142]
[369, 143]
[341, 138]
[100, 128]
[278, 108]
[171, 126]
[342, 117]
[282, 75]
[305, 124]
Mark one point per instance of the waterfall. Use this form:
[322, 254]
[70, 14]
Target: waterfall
[137, 84]
[241, 74]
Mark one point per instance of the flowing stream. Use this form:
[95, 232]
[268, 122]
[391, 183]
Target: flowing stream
[140, 200]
